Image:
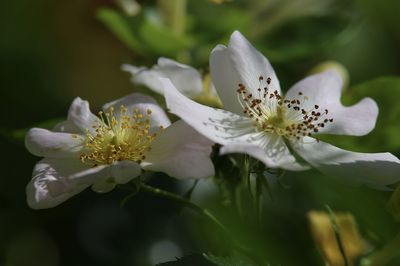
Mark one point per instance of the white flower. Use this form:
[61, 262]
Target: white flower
[185, 78]
[275, 129]
[130, 134]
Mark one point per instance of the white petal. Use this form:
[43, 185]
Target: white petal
[376, 170]
[225, 79]
[67, 127]
[56, 180]
[125, 171]
[185, 78]
[238, 63]
[180, 152]
[274, 154]
[143, 103]
[218, 125]
[104, 186]
[120, 173]
[144, 76]
[324, 89]
[45, 143]
[81, 116]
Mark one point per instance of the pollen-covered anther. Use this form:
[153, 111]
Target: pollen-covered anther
[125, 136]
[288, 118]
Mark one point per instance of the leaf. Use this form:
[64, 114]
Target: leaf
[235, 260]
[120, 27]
[386, 92]
[209, 260]
[161, 40]
[191, 260]
[309, 36]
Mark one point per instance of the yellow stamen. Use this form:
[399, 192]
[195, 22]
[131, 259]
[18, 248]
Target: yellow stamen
[126, 137]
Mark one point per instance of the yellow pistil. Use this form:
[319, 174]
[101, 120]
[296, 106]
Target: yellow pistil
[126, 137]
[284, 117]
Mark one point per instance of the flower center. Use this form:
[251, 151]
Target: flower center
[117, 138]
[285, 117]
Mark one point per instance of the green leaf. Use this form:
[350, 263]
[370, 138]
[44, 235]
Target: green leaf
[309, 36]
[235, 260]
[385, 137]
[120, 27]
[191, 260]
[162, 40]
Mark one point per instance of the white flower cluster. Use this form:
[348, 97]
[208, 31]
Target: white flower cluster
[133, 133]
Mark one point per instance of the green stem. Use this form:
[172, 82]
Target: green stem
[187, 203]
[259, 206]
[338, 237]
[174, 13]
[203, 212]
[247, 174]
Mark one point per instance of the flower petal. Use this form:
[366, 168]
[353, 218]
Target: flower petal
[121, 173]
[376, 170]
[218, 125]
[143, 103]
[104, 186]
[56, 180]
[185, 78]
[324, 89]
[274, 154]
[180, 152]
[45, 143]
[125, 171]
[225, 79]
[238, 63]
[66, 126]
[81, 116]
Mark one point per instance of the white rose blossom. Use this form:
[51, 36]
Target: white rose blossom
[259, 121]
[185, 78]
[130, 134]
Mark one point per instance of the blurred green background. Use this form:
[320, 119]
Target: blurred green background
[53, 51]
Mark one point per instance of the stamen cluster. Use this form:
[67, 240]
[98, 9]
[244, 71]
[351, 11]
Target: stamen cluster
[286, 117]
[127, 137]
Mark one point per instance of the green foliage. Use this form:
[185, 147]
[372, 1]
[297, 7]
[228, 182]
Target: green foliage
[209, 260]
[161, 40]
[309, 36]
[118, 25]
[235, 260]
[192, 260]
[143, 34]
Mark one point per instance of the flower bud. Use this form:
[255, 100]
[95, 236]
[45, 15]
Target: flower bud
[334, 66]
[325, 238]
